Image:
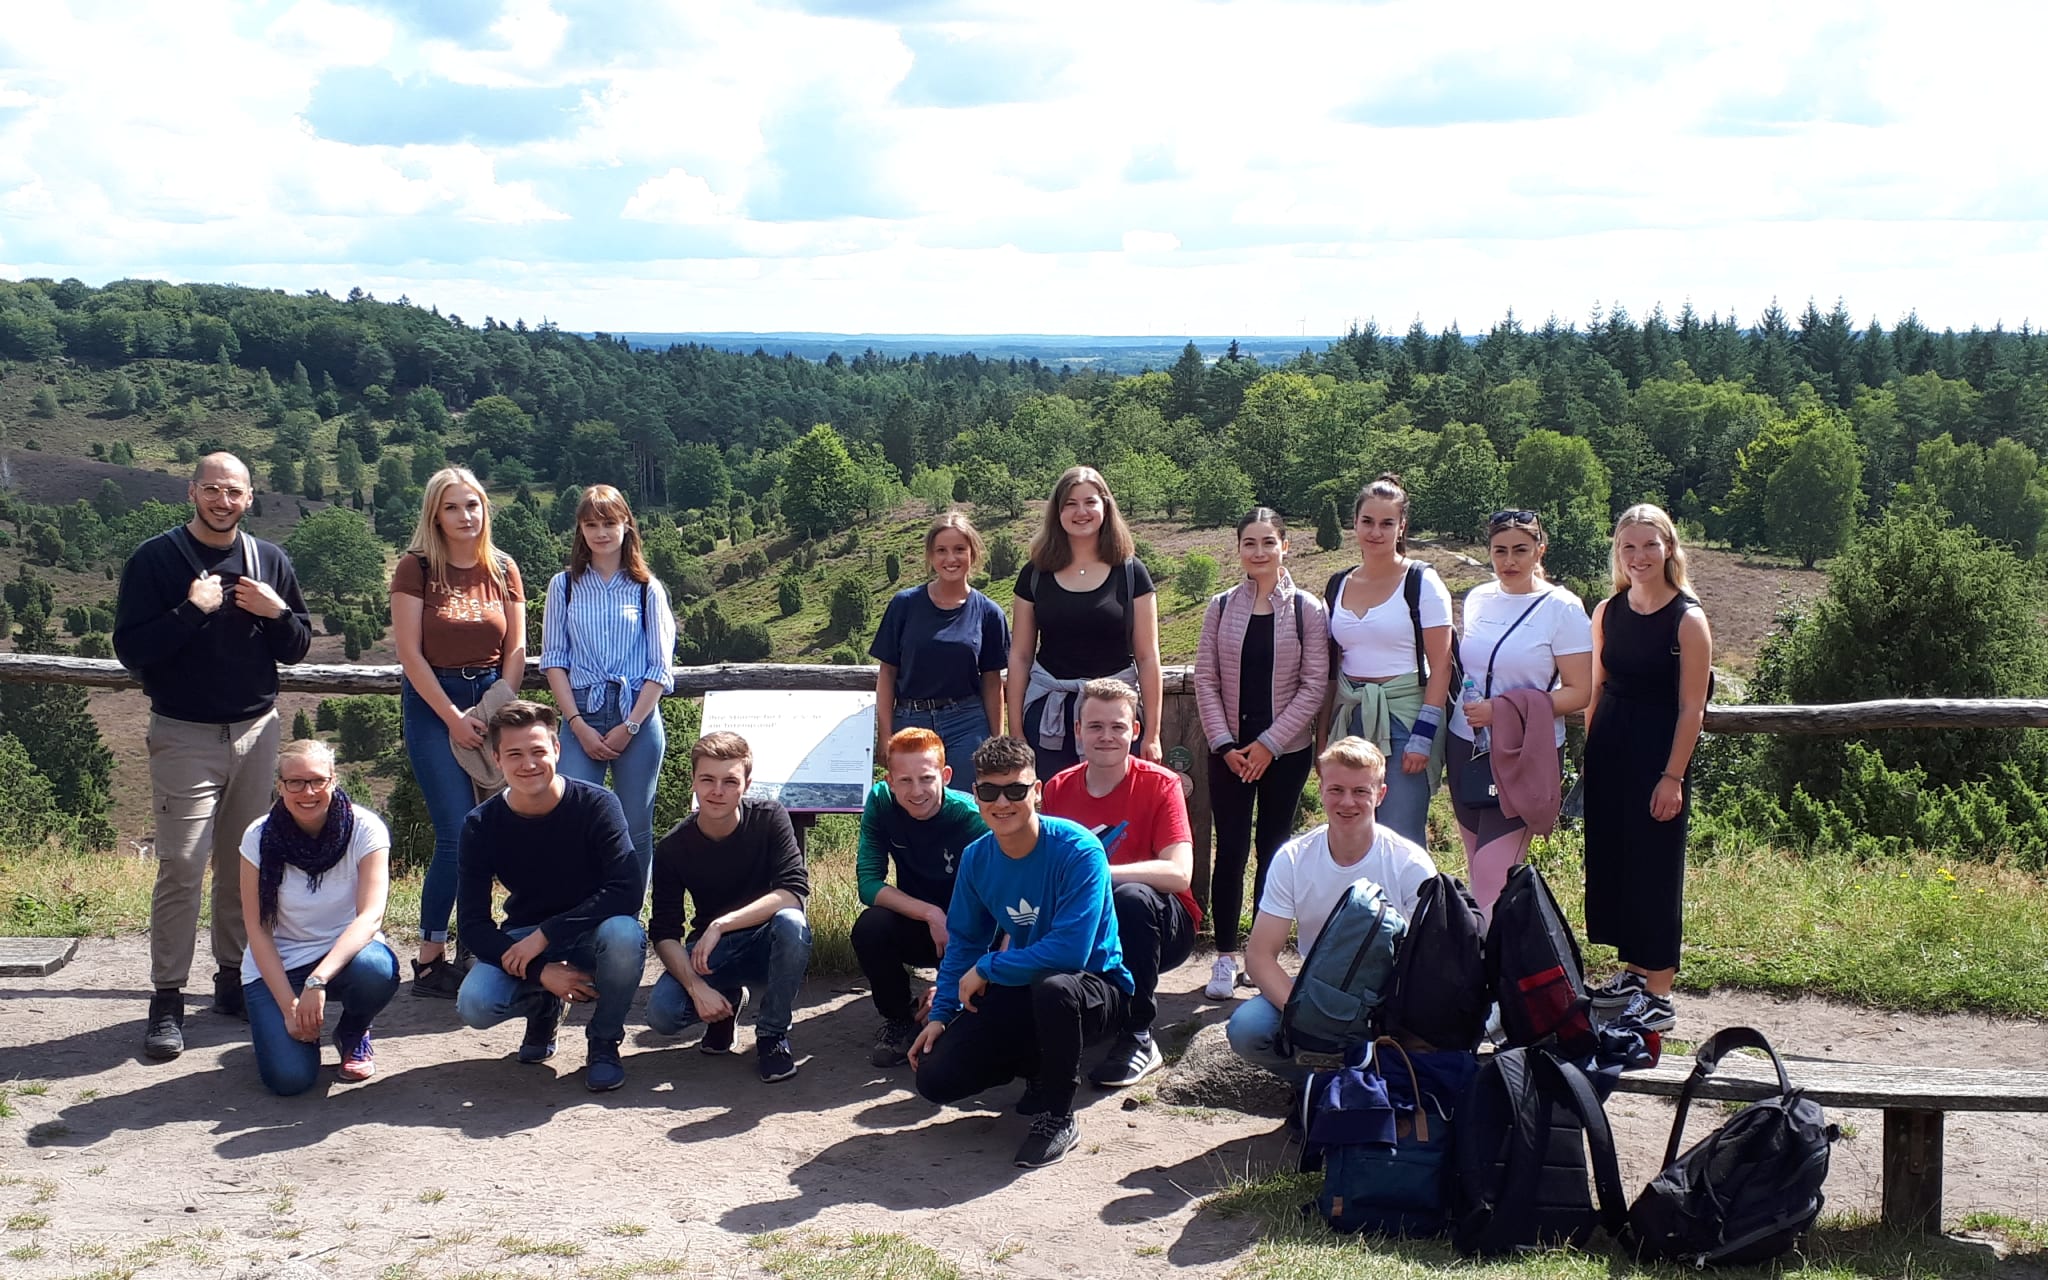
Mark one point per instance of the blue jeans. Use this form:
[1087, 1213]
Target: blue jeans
[612, 954]
[1406, 808]
[770, 957]
[963, 726]
[633, 774]
[360, 990]
[1254, 1026]
[447, 789]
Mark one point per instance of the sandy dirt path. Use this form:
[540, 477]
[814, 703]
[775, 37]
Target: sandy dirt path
[457, 1160]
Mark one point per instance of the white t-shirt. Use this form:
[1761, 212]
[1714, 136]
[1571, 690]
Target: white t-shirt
[308, 920]
[1528, 660]
[1305, 882]
[1381, 641]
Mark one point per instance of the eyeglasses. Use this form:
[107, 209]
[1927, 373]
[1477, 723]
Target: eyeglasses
[1499, 518]
[299, 786]
[986, 792]
[215, 492]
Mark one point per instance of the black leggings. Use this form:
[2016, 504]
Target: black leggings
[1277, 794]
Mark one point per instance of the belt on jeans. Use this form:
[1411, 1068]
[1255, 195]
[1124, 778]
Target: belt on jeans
[465, 673]
[931, 704]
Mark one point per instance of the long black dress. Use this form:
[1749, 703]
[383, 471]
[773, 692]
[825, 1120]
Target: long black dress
[1635, 865]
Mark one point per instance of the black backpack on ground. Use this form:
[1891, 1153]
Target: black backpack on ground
[1438, 995]
[1534, 971]
[1516, 1173]
[1745, 1192]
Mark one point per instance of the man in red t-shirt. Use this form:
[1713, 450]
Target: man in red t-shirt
[1136, 809]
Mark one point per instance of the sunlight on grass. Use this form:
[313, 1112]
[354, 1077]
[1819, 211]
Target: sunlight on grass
[860, 1256]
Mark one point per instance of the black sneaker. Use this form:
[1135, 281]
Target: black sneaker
[1648, 1013]
[228, 1000]
[539, 1044]
[718, 1036]
[439, 979]
[1130, 1059]
[893, 1041]
[1611, 997]
[1052, 1136]
[165, 1037]
[777, 1062]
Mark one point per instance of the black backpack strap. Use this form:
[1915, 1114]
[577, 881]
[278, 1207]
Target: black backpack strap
[1294, 600]
[1411, 591]
[182, 540]
[1578, 1094]
[1704, 1059]
[1331, 591]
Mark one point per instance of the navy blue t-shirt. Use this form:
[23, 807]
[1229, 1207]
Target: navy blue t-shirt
[941, 653]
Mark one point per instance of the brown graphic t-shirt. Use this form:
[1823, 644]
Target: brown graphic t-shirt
[462, 624]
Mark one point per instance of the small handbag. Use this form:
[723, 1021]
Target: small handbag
[1475, 786]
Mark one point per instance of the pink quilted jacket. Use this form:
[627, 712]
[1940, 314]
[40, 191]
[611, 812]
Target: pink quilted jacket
[1301, 668]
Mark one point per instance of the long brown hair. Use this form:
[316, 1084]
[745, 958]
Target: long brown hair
[601, 502]
[429, 541]
[1387, 488]
[1052, 550]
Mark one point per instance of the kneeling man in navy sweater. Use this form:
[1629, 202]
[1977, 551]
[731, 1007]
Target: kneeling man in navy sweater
[1031, 1009]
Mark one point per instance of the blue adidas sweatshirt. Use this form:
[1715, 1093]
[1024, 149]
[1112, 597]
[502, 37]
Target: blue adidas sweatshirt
[1053, 902]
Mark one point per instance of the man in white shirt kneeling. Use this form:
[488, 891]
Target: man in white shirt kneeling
[1309, 875]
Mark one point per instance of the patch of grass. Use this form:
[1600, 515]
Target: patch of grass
[521, 1247]
[627, 1270]
[2018, 1232]
[625, 1229]
[28, 1222]
[398, 1271]
[150, 1252]
[54, 893]
[1005, 1251]
[432, 1195]
[1150, 1250]
[46, 1191]
[87, 1095]
[96, 1171]
[26, 1252]
[283, 1198]
[32, 1089]
[6, 1111]
[859, 1256]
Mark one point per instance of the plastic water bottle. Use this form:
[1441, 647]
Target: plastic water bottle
[1469, 695]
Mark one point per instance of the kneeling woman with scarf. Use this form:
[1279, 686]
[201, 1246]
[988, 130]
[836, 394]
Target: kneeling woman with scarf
[315, 873]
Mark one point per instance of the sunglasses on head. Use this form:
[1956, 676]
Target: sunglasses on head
[1499, 518]
[986, 792]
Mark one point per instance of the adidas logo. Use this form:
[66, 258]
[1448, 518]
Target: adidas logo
[1023, 915]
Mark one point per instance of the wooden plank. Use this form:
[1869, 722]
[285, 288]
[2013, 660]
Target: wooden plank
[1854, 1084]
[35, 957]
[1912, 1169]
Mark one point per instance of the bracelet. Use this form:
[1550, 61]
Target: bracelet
[1674, 777]
[578, 716]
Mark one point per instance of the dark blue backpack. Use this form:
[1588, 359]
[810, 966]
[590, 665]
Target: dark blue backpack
[1343, 980]
[1379, 1131]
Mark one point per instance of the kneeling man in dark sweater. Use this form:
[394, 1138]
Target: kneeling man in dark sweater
[1060, 986]
[572, 932]
[736, 859]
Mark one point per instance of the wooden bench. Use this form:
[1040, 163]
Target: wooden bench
[1913, 1099]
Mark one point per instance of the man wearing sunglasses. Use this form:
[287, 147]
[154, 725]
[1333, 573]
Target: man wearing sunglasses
[1135, 808]
[1030, 1010]
[205, 615]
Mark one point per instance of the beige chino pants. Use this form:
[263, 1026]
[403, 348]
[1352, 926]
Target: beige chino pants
[209, 782]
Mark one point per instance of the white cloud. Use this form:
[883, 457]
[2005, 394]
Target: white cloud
[682, 197]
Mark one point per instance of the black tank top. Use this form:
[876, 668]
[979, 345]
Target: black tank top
[1639, 651]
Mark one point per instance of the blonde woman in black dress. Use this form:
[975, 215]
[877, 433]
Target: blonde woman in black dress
[1652, 671]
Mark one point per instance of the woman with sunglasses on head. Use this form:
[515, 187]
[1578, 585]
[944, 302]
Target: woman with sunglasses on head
[458, 615]
[1260, 671]
[1390, 642]
[1652, 672]
[607, 639]
[315, 874]
[1084, 609]
[1525, 641]
[941, 649]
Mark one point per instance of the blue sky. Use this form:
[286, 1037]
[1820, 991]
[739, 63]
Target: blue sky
[980, 167]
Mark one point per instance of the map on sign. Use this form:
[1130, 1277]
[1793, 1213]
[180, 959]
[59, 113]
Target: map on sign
[814, 750]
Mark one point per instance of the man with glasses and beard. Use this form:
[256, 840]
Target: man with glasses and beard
[205, 615]
[1031, 1009]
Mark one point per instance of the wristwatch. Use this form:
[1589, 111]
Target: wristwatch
[632, 727]
[315, 983]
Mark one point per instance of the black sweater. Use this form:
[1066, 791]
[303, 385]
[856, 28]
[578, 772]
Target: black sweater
[568, 870]
[719, 875]
[208, 668]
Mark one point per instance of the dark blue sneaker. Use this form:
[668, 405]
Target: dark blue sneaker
[777, 1062]
[539, 1044]
[603, 1072]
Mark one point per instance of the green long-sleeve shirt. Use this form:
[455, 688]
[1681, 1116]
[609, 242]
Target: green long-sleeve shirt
[927, 853]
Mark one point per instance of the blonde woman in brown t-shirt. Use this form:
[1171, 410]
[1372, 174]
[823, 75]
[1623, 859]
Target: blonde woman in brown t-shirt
[459, 615]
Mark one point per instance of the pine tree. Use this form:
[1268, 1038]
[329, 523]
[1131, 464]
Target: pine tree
[1329, 529]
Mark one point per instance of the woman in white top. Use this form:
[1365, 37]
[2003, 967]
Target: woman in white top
[1390, 655]
[1521, 631]
[315, 872]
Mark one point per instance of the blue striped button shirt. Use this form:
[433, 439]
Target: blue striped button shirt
[599, 637]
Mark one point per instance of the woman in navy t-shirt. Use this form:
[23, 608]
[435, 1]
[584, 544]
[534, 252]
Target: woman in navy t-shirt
[941, 647]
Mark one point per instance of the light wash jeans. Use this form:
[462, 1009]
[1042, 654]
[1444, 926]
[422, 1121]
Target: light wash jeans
[769, 957]
[634, 773]
[1254, 1027]
[445, 786]
[612, 954]
[360, 991]
[1406, 808]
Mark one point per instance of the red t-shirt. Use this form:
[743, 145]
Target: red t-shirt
[1134, 822]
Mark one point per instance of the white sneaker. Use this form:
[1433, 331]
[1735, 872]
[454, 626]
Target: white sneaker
[1222, 979]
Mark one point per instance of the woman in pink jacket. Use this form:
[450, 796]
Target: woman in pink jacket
[1260, 672]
